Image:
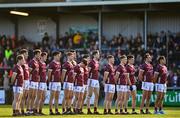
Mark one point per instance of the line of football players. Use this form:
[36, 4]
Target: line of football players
[81, 80]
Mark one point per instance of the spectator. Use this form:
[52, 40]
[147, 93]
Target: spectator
[8, 53]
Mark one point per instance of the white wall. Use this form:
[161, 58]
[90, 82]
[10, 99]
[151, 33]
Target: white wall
[126, 24]
[34, 27]
[77, 21]
[164, 21]
[6, 27]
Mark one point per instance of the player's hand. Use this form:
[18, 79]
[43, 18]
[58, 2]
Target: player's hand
[103, 83]
[11, 85]
[131, 88]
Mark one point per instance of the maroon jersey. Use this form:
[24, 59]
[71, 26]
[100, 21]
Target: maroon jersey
[19, 80]
[42, 71]
[131, 70]
[56, 71]
[148, 72]
[86, 73]
[122, 78]
[69, 74]
[163, 74]
[79, 79]
[34, 64]
[26, 71]
[111, 78]
[94, 72]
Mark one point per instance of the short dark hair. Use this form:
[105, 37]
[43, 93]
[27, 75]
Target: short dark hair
[130, 57]
[146, 56]
[56, 53]
[19, 57]
[95, 52]
[123, 56]
[160, 58]
[85, 56]
[110, 56]
[85, 62]
[73, 51]
[43, 54]
[36, 51]
[69, 53]
[23, 51]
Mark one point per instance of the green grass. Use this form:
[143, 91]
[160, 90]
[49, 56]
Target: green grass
[171, 112]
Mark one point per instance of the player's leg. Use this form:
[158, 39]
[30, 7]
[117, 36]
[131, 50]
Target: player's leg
[133, 95]
[148, 97]
[35, 98]
[29, 110]
[106, 102]
[20, 99]
[89, 94]
[84, 97]
[18, 103]
[111, 95]
[126, 98]
[15, 101]
[14, 104]
[24, 100]
[117, 102]
[69, 102]
[122, 101]
[161, 103]
[65, 99]
[76, 95]
[143, 101]
[52, 95]
[41, 100]
[56, 102]
[96, 93]
[79, 102]
[157, 102]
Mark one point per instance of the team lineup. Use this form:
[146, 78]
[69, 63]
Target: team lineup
[81, 80]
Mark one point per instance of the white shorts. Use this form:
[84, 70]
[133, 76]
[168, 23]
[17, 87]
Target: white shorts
[79, 89]
[161, 88]
[134, 88]
[34, 85]
[93, 83]
[17, 89]
[148, 86]
[85, 87]
[55, 86]
[122, 88]
[68, 86]
[26, 85]
[109, 88]
[42, 86]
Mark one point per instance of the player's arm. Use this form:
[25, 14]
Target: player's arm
[117, 76]
[49, 74]
[89, 69]
[74, 75]
[30, 69]
[13, 77]
[106, 74]
[63, 74]
[156, 74]
[128, 79]
[140, 75]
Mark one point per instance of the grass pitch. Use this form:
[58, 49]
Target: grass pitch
[171, 112]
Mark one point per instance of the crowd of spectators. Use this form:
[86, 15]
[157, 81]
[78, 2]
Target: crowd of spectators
[162, 43]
